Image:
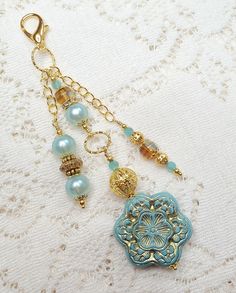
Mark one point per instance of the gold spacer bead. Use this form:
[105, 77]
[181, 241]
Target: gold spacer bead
[59, 131]
[178, 172]
[81, 201]
[162, 158]
[137, 138]
[108, 157]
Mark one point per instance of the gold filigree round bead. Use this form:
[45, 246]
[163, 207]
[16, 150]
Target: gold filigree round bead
[123, 182]
[137, 138]
[162, 158]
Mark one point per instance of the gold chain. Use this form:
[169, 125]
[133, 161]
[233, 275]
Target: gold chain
[92, 100]
[51, 101]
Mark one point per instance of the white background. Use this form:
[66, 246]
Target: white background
[168, 69]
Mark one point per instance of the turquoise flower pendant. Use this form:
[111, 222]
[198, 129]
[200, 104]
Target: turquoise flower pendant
[153, 230]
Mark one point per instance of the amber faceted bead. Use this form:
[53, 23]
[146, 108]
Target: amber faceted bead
[148, 149]
[64, 94]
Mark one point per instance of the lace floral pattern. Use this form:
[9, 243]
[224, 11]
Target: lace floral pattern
[167, 68]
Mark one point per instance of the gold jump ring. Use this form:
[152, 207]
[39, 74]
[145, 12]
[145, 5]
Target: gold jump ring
[50, 54]
[99, 150]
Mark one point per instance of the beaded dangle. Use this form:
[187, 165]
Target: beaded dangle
[63, 146]
[151, 228]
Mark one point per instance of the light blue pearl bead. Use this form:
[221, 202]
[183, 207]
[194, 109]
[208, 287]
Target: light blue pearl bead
[76, 113]
[56, 84]
[113, 165]
[63, 145]
[128, 131]
[171, 166]
[77, 185]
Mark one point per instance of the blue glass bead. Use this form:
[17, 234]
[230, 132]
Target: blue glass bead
[171, 166]
[77, 185]
[76, 114]
[56, 84]
[113, 165]
[63, 145]
[128, 131]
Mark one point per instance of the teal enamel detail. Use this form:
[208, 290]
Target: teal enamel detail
[63, 145]
[153, 230]
[128, 131]
[56, 84]
[77, 185]
[113, 165]
[76, 114]
[171, 166]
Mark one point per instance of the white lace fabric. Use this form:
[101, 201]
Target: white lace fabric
[166, 68]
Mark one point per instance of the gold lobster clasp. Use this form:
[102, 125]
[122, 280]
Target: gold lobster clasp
[38, 37]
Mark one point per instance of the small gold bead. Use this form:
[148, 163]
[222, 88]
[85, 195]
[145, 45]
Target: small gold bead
[108, 157]
[137, 138]
[59, 131]
[178, 172]
[68, 173]
[162, 158]
[81, 201]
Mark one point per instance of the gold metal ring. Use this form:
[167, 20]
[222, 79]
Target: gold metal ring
[99, 150]
[50, 54]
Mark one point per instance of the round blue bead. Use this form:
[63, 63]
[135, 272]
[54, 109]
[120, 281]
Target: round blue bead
[128, 131]
[76, 114]
[171, 166]
[113, 165]
[77, 185]
[56, 84]
[63, 145]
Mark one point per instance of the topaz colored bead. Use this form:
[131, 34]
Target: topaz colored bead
[113, 165]
[56, 84]
[77, 185]
[63, 145]
[171, 166]
[148, 149]
[128, 131]
[76, 114]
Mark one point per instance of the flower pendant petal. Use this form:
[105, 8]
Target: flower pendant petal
[153, 230]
